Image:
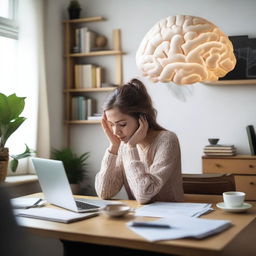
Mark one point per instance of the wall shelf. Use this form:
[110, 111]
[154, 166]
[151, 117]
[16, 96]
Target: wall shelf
[232, 82]
[96, 53]
[82, 122]
[82, 20]
[76, 97]
[102, 89]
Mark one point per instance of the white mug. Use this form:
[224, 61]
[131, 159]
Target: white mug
[233, 198]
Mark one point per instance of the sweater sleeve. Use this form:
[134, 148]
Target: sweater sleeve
[146, 182]
[109, 180]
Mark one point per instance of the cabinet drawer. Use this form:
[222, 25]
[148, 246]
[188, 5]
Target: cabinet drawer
[246, 184]
[236, 166]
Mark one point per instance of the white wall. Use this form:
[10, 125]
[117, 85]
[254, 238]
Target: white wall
[194, 112]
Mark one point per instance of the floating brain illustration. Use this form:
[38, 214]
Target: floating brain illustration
[185, 49]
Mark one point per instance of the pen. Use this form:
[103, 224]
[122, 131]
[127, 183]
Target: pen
[35, 204]
[149, 224]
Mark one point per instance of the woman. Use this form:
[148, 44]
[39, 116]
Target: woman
[142, 156]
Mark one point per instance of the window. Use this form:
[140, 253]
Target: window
[19, 69]
[9, 55]
[8, 45]
[8, 18]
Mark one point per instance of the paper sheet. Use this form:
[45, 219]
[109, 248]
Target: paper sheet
[181, 227]
[165, 209]
[25, 202]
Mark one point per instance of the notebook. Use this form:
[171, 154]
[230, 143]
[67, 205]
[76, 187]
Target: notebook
[52, 214]
[56, 188]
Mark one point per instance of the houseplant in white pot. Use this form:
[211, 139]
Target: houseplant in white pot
[10, 120]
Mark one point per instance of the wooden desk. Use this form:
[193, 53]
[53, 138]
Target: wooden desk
[106, 231]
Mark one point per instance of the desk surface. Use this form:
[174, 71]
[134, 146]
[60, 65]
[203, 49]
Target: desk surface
[113, 231]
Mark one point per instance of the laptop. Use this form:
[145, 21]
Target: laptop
[56, 188]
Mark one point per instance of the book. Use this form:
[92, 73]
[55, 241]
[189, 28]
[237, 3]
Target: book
[82, 39]
[89, 107]
[52, 214]
[94, 118]
[251, 138]
[78, 76]
[98, 77]
[88, 76]
[220, 153]
[220, 146]
[90, 37]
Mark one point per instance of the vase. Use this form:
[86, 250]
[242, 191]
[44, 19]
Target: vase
[74, 13]
[75, 189]
[4, 159]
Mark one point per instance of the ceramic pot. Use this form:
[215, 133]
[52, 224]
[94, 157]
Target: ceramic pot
[75, 189]
[74, 13]
[4, 159]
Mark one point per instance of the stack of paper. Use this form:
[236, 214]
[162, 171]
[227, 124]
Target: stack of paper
[179, 227]
[166, 209]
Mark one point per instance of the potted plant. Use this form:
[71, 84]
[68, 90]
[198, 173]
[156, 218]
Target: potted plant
[10, 120]
[74, 9]
[75, 166]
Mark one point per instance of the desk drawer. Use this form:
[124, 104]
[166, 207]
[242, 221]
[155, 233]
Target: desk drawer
[246, 184]
[236, 166]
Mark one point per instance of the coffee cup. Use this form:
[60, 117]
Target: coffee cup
[233, 198]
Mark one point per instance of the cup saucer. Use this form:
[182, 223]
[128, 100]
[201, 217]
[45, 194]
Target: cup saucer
[242, 208]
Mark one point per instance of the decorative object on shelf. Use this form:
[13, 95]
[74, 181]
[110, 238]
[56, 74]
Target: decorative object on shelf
[101, 41]
[185, 49]
[245, 52]
[213, 141]
[74, 9]
[75, 166]
[10, 120]
[251, 138]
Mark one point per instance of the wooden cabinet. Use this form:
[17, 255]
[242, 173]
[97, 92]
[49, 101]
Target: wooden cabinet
[242, 166]
[71, 59]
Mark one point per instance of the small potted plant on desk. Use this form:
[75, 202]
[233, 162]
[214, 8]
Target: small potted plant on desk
[10, 120]
[75, 166]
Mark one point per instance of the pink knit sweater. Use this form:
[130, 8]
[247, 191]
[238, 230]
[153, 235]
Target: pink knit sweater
[152, 174]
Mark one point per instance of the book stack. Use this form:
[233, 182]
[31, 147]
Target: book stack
[84, 40]
[220, 150]
[88, 76]
[82, 107]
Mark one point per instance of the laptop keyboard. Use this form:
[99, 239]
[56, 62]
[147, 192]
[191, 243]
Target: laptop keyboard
[85, 206]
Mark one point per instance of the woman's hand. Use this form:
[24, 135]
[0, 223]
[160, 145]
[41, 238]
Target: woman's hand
[140, 134]
[113, 139]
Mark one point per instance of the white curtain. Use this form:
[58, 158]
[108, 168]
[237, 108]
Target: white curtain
[31, 81]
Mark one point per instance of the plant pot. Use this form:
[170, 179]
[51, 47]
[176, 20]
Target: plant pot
[4, 159]
[74, 13]
[75, 189]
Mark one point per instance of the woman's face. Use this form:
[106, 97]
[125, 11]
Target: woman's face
[123, 126]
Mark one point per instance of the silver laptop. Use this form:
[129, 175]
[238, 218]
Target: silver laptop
[56, 188]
